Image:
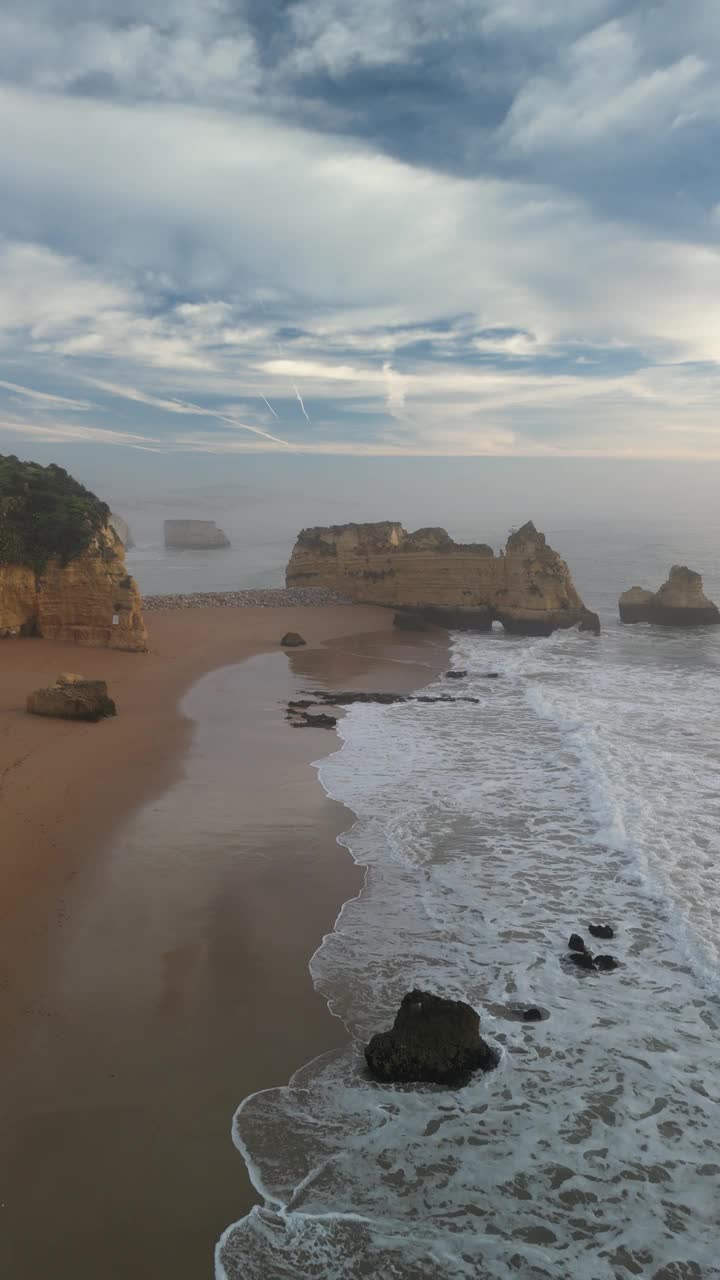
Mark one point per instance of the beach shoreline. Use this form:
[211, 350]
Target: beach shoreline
[77, 882]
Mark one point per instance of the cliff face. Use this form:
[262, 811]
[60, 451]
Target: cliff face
[62, 566]
[528, 588]
[92, 600]
[680, 601]
[123, 531]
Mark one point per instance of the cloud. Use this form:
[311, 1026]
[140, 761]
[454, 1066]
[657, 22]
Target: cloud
[601, 88]
[43, 398]
[493, 212]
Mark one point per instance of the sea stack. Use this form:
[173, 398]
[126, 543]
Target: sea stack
[427, 576]
[680, 602]
[194, 535]
[62, 566]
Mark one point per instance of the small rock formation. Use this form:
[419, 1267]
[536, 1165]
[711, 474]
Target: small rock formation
[428, 577]
[324, 698]
[582, 959]
[122, 530]
[306, 720]
[680, 602]
[292, 640]
[605, 963]
[576, 943]
[62, 566]
[601, 930]
[455, 675]
[194, 535]
[72, 698]
[532, 1015]
[432, 1040]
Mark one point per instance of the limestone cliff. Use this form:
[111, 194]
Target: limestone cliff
[680, 601]
[62, 566]
[123, 531]
[528, 588]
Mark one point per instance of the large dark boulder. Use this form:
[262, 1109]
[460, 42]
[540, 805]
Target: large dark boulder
[291, 640]
[432, 1040]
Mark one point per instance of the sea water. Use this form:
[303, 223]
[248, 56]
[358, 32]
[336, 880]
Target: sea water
[583, 786]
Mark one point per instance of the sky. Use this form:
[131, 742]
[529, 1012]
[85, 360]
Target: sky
[481, 227]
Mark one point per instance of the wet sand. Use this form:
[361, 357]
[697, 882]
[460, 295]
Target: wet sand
[154, 967]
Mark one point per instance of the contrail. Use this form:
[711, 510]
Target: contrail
[302, 406]
[262, 397]
[173, 405]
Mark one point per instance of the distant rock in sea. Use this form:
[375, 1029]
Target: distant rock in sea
[122, 530]
[680, 602]
[194, 535]
[429, 578]
[62, 566]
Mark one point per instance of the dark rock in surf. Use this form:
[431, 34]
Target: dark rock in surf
[304, 720]
[576, 943]
[605, 963]
[582, 959]
[291, 640]
[411, 622]
[532, 1015]
[433, 1040]
[455, 675]
[601, 930]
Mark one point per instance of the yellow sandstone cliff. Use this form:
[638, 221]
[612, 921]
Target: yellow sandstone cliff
[91, 600]
[528, 587]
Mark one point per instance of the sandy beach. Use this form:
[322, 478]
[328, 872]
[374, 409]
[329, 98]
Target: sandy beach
[164, 879]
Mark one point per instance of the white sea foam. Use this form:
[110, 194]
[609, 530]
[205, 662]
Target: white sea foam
[583, 786]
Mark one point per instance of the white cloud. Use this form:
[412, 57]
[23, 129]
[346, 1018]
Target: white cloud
[602, 87]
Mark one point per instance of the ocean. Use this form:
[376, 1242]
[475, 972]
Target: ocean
[583, 787]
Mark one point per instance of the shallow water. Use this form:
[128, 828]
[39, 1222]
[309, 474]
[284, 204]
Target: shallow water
[583, 786]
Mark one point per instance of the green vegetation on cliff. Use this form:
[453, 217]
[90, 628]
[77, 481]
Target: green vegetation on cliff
[45, 513]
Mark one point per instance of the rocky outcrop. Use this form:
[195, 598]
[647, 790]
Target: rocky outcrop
[528, 588]
[194, 535]
[62, 566]
[292, 640]
[122, 529]
[433, 1040]
[680, 602]
[72, 698]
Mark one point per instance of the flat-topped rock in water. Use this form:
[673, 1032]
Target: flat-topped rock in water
[194, 535]
[429, 578]
[62, 566]
[680, 602]
[433, 1040]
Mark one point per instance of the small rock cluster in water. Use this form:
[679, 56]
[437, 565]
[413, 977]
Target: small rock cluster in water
[269, 598]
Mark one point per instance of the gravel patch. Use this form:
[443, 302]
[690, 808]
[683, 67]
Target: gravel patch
[272, 598]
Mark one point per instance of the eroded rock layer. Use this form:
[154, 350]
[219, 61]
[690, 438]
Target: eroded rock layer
[528, 587]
